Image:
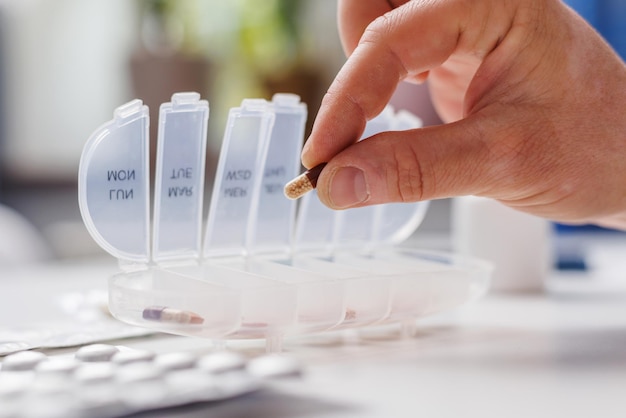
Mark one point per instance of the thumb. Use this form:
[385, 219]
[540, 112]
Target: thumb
[407, 166]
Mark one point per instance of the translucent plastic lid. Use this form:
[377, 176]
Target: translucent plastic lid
[321, 229]
[356, 227]
[275, 216]
[113, 184]
[238, 178]
[248, 212]
[315, 227]
[179, 185]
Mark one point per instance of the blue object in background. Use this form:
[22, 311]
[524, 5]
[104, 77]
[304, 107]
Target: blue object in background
[612, 20]
[586, 8]
[608, 17]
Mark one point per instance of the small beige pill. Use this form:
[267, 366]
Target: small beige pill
[304, 183]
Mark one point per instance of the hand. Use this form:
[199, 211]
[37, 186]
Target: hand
[534, 100]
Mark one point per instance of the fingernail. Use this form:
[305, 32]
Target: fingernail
[348, 188]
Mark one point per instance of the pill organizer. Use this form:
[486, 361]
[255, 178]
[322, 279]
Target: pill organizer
[103, 380]
[261, 266]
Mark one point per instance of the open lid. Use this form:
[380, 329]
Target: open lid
[356, 227]
[274, 219]
[179, 184]
[113, 184]
[322, 229]
[238, 178]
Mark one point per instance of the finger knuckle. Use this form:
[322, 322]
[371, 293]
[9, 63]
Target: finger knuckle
[406, 175]
[378, 30]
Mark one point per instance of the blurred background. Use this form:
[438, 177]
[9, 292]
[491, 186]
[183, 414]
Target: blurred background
[66, 64]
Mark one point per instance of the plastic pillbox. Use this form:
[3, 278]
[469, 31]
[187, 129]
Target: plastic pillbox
[261, 272]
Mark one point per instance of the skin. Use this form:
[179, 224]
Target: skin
[533, 99]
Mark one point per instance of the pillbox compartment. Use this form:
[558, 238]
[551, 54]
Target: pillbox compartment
[270, 266]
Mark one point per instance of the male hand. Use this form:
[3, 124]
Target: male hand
[533, 99]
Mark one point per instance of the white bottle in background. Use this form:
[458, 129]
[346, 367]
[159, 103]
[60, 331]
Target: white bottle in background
[517, 243]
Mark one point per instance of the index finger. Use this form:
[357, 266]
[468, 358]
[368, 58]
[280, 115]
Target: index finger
[353, 16]
[406, 41]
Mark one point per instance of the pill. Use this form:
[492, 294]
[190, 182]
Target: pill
[50, 385]
[94, 372]
[57, 366]
[175, 361]
[144, 386]
[274, 366]
[96, 352]
[132, 356]
[221, 362]
[304, 183]
[146, 395]
[165, 314]
[138, 372]
[25, 360]
[192, 385]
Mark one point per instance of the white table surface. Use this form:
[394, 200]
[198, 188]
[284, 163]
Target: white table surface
[557, 354]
